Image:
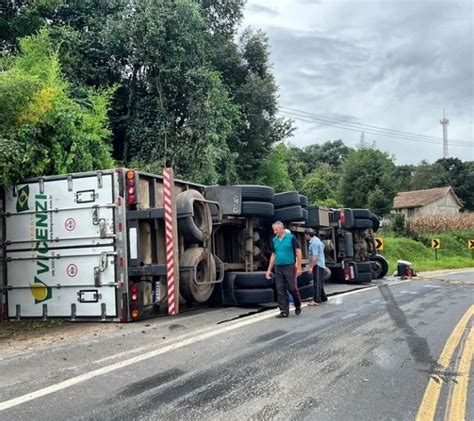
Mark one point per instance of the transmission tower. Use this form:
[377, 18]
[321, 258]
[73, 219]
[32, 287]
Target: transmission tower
[444, 122]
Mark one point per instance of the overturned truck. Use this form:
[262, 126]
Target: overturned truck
[93, 246]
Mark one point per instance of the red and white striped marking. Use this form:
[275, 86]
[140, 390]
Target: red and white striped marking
[167, 172]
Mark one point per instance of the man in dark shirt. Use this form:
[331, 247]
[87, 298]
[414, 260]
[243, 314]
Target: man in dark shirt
[286, 259]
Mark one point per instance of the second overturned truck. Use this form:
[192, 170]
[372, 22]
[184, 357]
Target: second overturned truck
[92, 246]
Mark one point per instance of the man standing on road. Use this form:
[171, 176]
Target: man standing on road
[316, 266]
[286, 259]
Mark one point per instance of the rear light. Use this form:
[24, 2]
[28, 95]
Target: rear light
[131, 192]
[347, 273]
[134, 301]
[342, 218]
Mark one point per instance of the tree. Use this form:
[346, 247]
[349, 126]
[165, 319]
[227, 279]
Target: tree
[187, 93]
[274, 170]
[44, 130]
[367, 171]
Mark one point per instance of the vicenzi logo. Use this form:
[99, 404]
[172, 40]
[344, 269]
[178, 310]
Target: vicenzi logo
[41, 292]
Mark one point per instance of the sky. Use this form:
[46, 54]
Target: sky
[381, 70]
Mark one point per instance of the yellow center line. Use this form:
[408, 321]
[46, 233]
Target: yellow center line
[457, 409]
[429, 403]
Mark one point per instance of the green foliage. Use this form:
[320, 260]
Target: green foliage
[188, 94]
[44, 130]
[367, 170]
[274, 171]
[398, 224]
[453, 254]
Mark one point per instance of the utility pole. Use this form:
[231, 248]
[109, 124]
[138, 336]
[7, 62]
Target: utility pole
[444, 122]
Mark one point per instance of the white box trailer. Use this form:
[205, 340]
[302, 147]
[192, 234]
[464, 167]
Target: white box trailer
[91, 246]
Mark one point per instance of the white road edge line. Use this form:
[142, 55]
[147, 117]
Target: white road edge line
[172, 347]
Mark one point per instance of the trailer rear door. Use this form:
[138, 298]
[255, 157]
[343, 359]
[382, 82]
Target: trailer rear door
[60, 248]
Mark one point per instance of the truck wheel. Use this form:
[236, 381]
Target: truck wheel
[288, 198]
[195, 223]
[361, 213]
[364, 277]
[304, 279]
[307, 291]
[260, 193]
[381, 266]
[254, 296]
[363, 223]
[250, 280]
[375, 220]
[303, 201]
[364, 267]
[288, 214]
[257, 209]
[203, 270]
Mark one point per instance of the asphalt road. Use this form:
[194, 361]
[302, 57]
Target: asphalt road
[368, 354]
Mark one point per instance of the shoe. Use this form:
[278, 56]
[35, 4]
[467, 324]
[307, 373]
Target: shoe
[298, 311]
[281, 315]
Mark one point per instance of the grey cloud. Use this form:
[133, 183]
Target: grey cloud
[393, 64]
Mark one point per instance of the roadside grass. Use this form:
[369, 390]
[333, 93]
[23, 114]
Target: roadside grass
[453, 254]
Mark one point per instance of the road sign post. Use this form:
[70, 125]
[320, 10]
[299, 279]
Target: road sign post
[379, 244]
[436, 244]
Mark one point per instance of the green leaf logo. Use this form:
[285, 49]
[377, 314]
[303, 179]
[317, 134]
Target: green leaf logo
[22, 200]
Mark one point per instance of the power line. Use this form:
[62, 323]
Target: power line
[358, 127]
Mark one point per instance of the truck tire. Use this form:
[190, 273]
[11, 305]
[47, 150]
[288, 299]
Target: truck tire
[254, 296]
[289, 198]
[289, 214]
[313, 217]
[195, 224]
[257, 193]
[303, 201]
[364, 277]
[191, 286]
[304, 279]
[363, 223]
[364, 267]
[257, 209]
[375, 220]
[250, 280]
[307, 292]
[361, 213]
[381, 266]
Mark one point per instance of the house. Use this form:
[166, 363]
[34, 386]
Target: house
[442, 200]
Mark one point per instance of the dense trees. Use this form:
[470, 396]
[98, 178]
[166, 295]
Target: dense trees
[152, 83]
[187, 94]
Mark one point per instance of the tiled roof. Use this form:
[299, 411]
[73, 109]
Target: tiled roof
[418, 198]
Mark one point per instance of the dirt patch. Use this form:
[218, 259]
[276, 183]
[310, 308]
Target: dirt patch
[20, 336]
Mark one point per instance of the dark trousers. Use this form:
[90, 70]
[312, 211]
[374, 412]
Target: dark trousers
[285, 281]
[318, 281]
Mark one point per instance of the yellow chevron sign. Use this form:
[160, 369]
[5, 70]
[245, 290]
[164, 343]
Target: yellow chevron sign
[435, 243]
